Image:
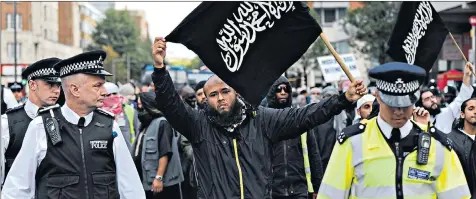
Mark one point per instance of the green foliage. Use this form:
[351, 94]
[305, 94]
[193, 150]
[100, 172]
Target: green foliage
[372, 25]
[196, 63]
[119, 34]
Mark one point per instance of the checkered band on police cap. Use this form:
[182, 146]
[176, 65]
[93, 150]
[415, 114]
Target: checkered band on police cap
[398, 87]
[82, 65]
[44, 72]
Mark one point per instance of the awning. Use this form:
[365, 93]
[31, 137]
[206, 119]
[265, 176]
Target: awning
[452, 74]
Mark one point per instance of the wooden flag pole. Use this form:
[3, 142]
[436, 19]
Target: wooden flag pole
[457, 46]
[337, 57]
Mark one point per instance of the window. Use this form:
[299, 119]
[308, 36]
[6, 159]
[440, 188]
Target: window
[9, 21]
[19, 22]
[87, 28]
[329, 15]
[11, 50]
[46, 12]
[342, 47]
[341, 12]
[10, 24]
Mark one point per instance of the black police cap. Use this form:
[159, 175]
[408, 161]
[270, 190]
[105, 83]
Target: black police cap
[15, 86]
[398, 83]
[42, 69]
[88, 63]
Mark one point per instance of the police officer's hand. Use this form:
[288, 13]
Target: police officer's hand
[356, 90]
[157, 186]
[158, 51]
[421, 115]
[314, 195]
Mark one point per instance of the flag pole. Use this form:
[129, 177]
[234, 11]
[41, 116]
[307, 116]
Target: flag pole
[457, 46]
[337, 57]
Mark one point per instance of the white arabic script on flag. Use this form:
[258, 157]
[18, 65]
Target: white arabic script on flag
[240, 31]
[423, 17]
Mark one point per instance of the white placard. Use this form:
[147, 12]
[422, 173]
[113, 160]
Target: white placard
[331, 70]
[450, 50]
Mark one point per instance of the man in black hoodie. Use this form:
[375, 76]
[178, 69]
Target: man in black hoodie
[289, 171]
[232, 143]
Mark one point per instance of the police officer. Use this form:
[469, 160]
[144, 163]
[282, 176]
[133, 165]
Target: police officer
[45, 85]
[17, 90]
[76, 151]
[391, 156]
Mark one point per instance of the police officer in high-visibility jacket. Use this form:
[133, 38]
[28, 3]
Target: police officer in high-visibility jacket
[390, 156]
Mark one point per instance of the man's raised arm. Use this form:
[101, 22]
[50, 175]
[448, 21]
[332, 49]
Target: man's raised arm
[289, 123]
[180, 116]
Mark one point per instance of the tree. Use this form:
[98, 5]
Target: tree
[196, 63]
[118, 34]
[117, 30]
[370, 26]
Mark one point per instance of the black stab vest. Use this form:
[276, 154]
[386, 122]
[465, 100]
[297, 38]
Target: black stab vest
[83, 165]
[18, 122]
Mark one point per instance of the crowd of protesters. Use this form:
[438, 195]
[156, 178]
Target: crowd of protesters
[281, 151]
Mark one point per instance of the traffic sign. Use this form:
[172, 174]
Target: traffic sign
[472, 20]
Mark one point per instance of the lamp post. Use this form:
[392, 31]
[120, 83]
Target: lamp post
[15, 38]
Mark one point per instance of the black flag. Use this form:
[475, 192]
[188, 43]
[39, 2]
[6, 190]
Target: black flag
[248, 44]
[418, 35]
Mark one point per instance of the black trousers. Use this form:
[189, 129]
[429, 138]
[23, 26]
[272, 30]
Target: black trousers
[172, 192]
[188, 191]
[302, 196]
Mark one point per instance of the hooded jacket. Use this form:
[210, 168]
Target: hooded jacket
[289, 176]
[465, 148]
[237, 164]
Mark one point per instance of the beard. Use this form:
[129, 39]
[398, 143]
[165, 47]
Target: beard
[434, 111]
[200, 105]
[228, 119]
[281, 103]
[470, 122]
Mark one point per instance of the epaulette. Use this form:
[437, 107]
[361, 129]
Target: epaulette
[350, 131]
[44, 109]
[441, 137]
[16, 108]
[106, 113]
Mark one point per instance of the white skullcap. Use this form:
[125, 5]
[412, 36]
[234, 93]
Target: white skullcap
[365, 99]
[315, 89]
[111, 87]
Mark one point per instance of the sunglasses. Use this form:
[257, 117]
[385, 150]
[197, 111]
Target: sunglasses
[283, 88]
[16, 90]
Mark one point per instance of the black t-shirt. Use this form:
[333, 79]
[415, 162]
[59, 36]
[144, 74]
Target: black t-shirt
[164, 141]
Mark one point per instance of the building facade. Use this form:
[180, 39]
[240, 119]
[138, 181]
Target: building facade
[141, 23]
[89, 18]
[37, 37]
[104, 6]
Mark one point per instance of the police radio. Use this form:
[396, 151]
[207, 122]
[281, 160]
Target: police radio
[424, 142]
[52, 128]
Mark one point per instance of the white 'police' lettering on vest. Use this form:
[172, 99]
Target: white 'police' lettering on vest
[98, 144]
[418, 174]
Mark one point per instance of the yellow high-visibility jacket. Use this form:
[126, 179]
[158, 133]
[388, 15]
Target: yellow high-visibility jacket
[362, 165]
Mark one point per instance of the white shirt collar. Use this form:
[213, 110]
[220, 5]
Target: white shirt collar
[471, 136]
[31, 109]
[73, 118]
[387, 129]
